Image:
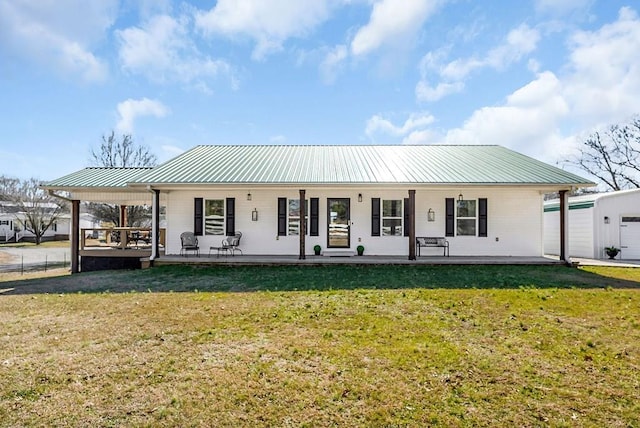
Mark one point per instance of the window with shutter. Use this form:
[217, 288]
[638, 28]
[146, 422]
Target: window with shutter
[231, 216]
[449, 217]
[375, 216]
[282, 216]
[197, 216]
[314, 215]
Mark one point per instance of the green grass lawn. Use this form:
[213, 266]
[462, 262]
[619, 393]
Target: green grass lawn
[323, 346]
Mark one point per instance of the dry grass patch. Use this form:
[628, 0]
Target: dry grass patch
[413, 357]
[16, 277]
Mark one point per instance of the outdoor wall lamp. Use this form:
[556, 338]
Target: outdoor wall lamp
[249, 196]
[359, 197]
[431, 215]
[606, 220]
[460, 197]
[254, 215]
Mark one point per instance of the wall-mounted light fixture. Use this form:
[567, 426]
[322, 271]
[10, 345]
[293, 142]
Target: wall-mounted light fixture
[460, 197]
[431, 215]
[249, 196]
[606, 220]
[359, 197]
[254, 215]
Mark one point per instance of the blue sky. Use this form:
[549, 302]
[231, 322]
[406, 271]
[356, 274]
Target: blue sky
[535, 76]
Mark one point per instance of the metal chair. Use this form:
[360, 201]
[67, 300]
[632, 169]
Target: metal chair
[229, 244]
[189, 243]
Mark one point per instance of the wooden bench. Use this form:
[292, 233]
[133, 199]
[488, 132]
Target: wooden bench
[431, 241]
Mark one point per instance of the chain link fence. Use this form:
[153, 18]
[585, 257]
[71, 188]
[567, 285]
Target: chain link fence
[34, 259]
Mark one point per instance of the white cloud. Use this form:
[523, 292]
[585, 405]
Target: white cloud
[563, 7]
[278, 139]
[46, 33]
[605, 70]
[392, 23]
[163, 51]
[332, 63]
[268, 23]
[519, 42]
[131, 109]
[547, 117]
[527, 122]
[424, 92]
[170, 151]
[414, 129]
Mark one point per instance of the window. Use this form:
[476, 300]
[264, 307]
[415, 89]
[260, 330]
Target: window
[294, 216]
[466, 216]
[392, 217]
[214, 217]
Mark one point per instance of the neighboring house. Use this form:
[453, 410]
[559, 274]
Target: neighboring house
[12, 229]
[486, 200]
[597, 221]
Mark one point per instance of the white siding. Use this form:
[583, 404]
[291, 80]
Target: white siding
[588, 232]
[552, 232]
[615, 206]
[580, 232]
[514, 220]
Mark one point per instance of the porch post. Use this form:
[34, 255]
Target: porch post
[123, 216]
[302, 255]
[75, 236]
[412, 224]
[564, 226]
[155, 226]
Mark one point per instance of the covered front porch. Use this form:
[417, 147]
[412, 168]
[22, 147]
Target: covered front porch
[281, 260]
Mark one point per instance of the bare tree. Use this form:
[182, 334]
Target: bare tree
[613, 156]
[33, 208]
[8, 187]
[122, 153]
[119, 153]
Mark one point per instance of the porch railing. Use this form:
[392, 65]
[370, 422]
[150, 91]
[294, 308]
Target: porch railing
[118, 238]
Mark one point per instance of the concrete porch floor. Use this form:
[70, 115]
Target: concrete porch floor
[266, 260]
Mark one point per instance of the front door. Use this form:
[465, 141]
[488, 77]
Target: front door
[338, 223]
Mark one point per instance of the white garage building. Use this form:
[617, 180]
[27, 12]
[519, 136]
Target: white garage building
[596, 221]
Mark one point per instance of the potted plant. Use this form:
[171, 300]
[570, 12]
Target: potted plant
[612, 252]
[317, 249]
[360, 250]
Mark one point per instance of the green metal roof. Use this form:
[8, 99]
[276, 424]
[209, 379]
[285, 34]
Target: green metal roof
[97, 177]
[428, 164]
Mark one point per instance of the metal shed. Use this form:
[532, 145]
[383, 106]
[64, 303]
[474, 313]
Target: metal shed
[597, 221]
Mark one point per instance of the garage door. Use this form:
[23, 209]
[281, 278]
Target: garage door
[630, 237]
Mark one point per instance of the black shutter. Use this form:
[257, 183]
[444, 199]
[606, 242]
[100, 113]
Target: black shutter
[482, 219]
[282, 216]
[231, 216]
[406, 216]
[450, 220]
[197, 216]
[375, 216]
[314, 216]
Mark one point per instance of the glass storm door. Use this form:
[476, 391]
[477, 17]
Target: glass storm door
[338, 223]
